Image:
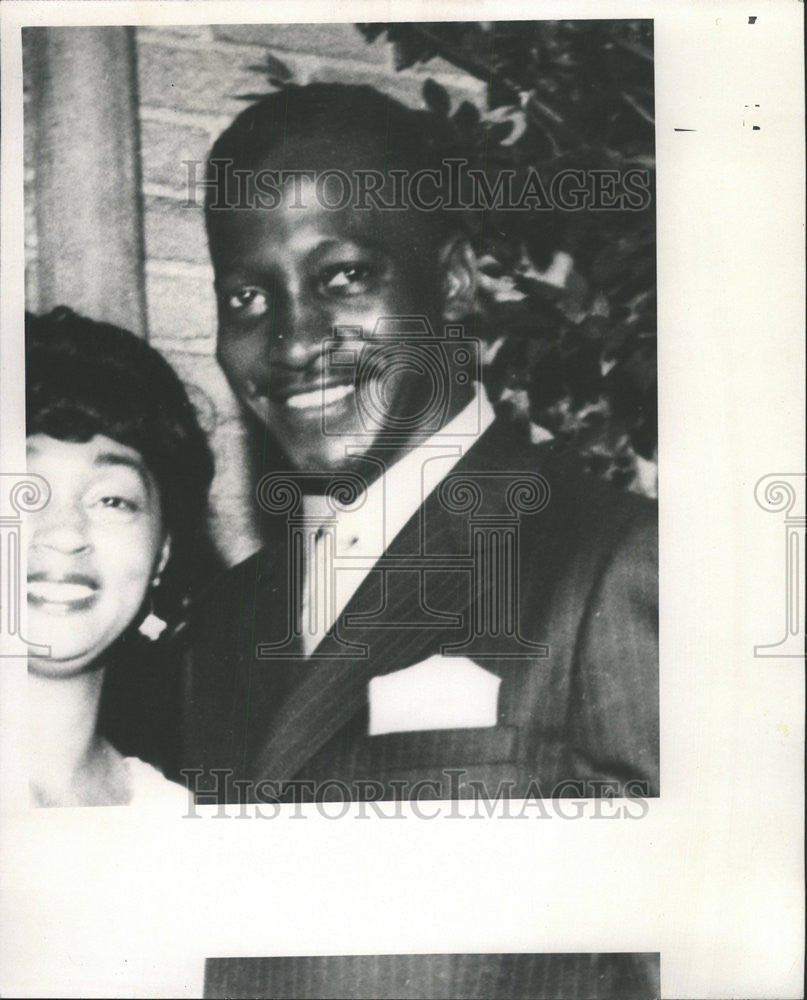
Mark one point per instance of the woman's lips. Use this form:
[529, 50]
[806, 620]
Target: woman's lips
[72, 593]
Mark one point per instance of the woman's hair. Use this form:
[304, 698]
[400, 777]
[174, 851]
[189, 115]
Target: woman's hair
[85, 378]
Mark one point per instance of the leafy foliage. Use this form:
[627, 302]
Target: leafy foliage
[569, 296]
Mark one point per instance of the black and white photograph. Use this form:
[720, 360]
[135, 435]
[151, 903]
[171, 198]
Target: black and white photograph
[387, 454]
[431, 977]
[423, 347]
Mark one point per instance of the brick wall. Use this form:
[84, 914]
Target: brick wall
[189, 81]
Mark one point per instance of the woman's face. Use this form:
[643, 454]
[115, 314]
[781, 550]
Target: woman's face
[93, 550]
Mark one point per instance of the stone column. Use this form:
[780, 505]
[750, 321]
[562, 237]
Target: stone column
[89, 218]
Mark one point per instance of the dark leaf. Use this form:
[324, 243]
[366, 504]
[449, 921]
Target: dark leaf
[276, 69]
[436, 97]
[502, 94]
[500, 131]
[410, 49]
[466, 118]
[371, 31]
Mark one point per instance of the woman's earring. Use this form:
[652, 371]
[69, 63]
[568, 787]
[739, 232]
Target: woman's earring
[152, 627]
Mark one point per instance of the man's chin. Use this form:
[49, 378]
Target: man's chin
[353, 455]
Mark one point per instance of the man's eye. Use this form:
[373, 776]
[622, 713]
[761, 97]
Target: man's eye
[354, 279]
[250, 302]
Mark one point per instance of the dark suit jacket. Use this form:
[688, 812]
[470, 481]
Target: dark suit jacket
[578, 700]
[437, 977]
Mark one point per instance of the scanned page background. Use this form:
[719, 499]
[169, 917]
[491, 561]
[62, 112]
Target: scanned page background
[711, 876]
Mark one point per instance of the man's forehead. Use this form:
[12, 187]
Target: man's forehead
[251, 238]
[302, 211]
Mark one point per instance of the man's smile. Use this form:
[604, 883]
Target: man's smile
[321, 397]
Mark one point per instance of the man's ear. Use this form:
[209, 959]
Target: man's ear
[165, 554]
[458, 266]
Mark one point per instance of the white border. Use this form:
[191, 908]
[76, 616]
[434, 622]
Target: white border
[712, 877]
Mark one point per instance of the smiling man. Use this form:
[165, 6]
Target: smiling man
[291, 274]
[442, 608]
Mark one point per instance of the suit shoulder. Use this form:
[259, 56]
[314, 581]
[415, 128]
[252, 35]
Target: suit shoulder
[576, 505]
[587, 522]
[579, 496]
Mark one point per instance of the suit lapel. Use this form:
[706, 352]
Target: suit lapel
[388, 621]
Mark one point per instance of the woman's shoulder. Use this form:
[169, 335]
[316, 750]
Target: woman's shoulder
[149, 786]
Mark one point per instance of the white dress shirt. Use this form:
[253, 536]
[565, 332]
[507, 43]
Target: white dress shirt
[338, 559]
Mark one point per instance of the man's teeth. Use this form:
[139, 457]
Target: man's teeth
[61, 593]
[319, 397]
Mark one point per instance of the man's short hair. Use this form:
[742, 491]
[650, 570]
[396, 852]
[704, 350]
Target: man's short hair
[395, 136]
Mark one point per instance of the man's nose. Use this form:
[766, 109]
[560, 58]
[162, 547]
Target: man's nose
[299, 333]
[61, 527]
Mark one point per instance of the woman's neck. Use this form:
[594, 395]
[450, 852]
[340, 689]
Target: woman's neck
[71, 764]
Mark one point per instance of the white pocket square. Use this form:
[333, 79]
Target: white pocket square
[443, 692]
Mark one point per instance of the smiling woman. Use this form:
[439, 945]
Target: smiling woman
[111, 430]
[81, 594]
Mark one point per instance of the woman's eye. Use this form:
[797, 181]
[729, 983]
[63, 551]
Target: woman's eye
[250, 302]
[114, 508]
[118, 503]
[352, 280]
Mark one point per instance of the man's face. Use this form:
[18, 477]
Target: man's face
[286, 277]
